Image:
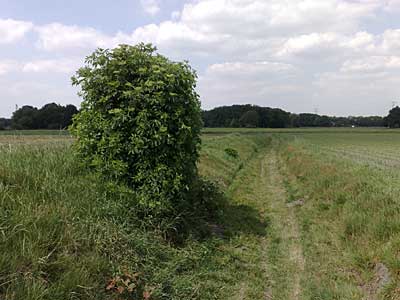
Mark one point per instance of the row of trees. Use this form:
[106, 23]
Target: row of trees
[265, 117]
[54, 116]
[50, 116]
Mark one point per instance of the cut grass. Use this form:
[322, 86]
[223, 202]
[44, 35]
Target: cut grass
[350, 221]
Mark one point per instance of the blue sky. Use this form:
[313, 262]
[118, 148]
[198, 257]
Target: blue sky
[339, 57]
[107, 16]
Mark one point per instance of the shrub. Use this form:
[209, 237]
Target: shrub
[140, 123]
[232, 152]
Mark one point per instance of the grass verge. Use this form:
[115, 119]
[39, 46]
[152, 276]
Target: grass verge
[64, 235]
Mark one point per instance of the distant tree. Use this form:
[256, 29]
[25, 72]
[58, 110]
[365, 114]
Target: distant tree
[307, 120]
[25, 118]
[50, 116]
[294, 120]
[277, 118]
[250, 119]
[5, 123]
[324, 121]
[69, 112]
[234, 123]
[393, 119]
[227, 116]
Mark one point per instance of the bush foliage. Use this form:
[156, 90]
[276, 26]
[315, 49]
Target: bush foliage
[140, 123]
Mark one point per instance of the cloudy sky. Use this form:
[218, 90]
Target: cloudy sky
[339, 57]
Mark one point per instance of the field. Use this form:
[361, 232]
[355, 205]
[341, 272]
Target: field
[308, 214]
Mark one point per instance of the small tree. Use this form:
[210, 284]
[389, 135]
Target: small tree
[140, 123]
[393, 119]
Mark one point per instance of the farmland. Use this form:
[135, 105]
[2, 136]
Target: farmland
[308, 214]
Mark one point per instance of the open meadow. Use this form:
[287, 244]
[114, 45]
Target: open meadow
[305, 214]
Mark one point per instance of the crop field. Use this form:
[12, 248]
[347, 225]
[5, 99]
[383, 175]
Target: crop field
[306, 214]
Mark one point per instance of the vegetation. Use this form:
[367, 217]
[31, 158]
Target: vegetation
[393, 119]
[50, 116]
[350, 218]
[5, 123]
[312, 214]
[139, 124]
[264, 117]
[65, 235]
[244, 116]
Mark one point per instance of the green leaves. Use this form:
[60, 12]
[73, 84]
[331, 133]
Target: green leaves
[140, 124]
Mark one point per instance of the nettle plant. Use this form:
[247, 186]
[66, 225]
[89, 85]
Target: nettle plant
[140, 123]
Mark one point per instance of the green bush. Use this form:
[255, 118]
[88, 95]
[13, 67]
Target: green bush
[140, 123]
[232, 152]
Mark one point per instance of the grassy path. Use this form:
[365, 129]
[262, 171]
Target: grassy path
[275, 260]
[285, 236]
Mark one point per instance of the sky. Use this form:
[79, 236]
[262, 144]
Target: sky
[335, 57]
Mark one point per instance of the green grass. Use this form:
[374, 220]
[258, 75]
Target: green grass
[64, 234]
[351, 219]
[34, 132]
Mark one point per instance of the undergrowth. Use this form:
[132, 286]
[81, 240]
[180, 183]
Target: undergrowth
[65, 234]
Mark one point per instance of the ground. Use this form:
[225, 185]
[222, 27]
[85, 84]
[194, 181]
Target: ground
[310, 214]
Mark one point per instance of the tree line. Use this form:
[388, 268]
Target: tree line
[252, 116]
[50, 116]
[55, 116]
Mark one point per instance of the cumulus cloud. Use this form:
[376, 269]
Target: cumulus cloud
[371, 64]
[52, 66]
[151, 7]
[270, 52]
[263, 83]
[13, 30]
[56, 36]
[224, 25]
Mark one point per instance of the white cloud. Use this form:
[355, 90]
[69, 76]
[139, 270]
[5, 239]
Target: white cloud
[391, 40]
[392, 6]
[371, 64]
[13, 30]
[309, 43]
[151, 7]
[263, 83]
[260, 17]
[228, 27]
[246, 68]
[56, 36]
[269, 52]
[52, 66]
[7, 66]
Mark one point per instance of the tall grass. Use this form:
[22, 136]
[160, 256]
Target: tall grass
[64, 234]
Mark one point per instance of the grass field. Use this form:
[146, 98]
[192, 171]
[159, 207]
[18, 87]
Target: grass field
[310, 214]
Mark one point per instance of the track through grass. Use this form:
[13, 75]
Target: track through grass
[309, 216]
